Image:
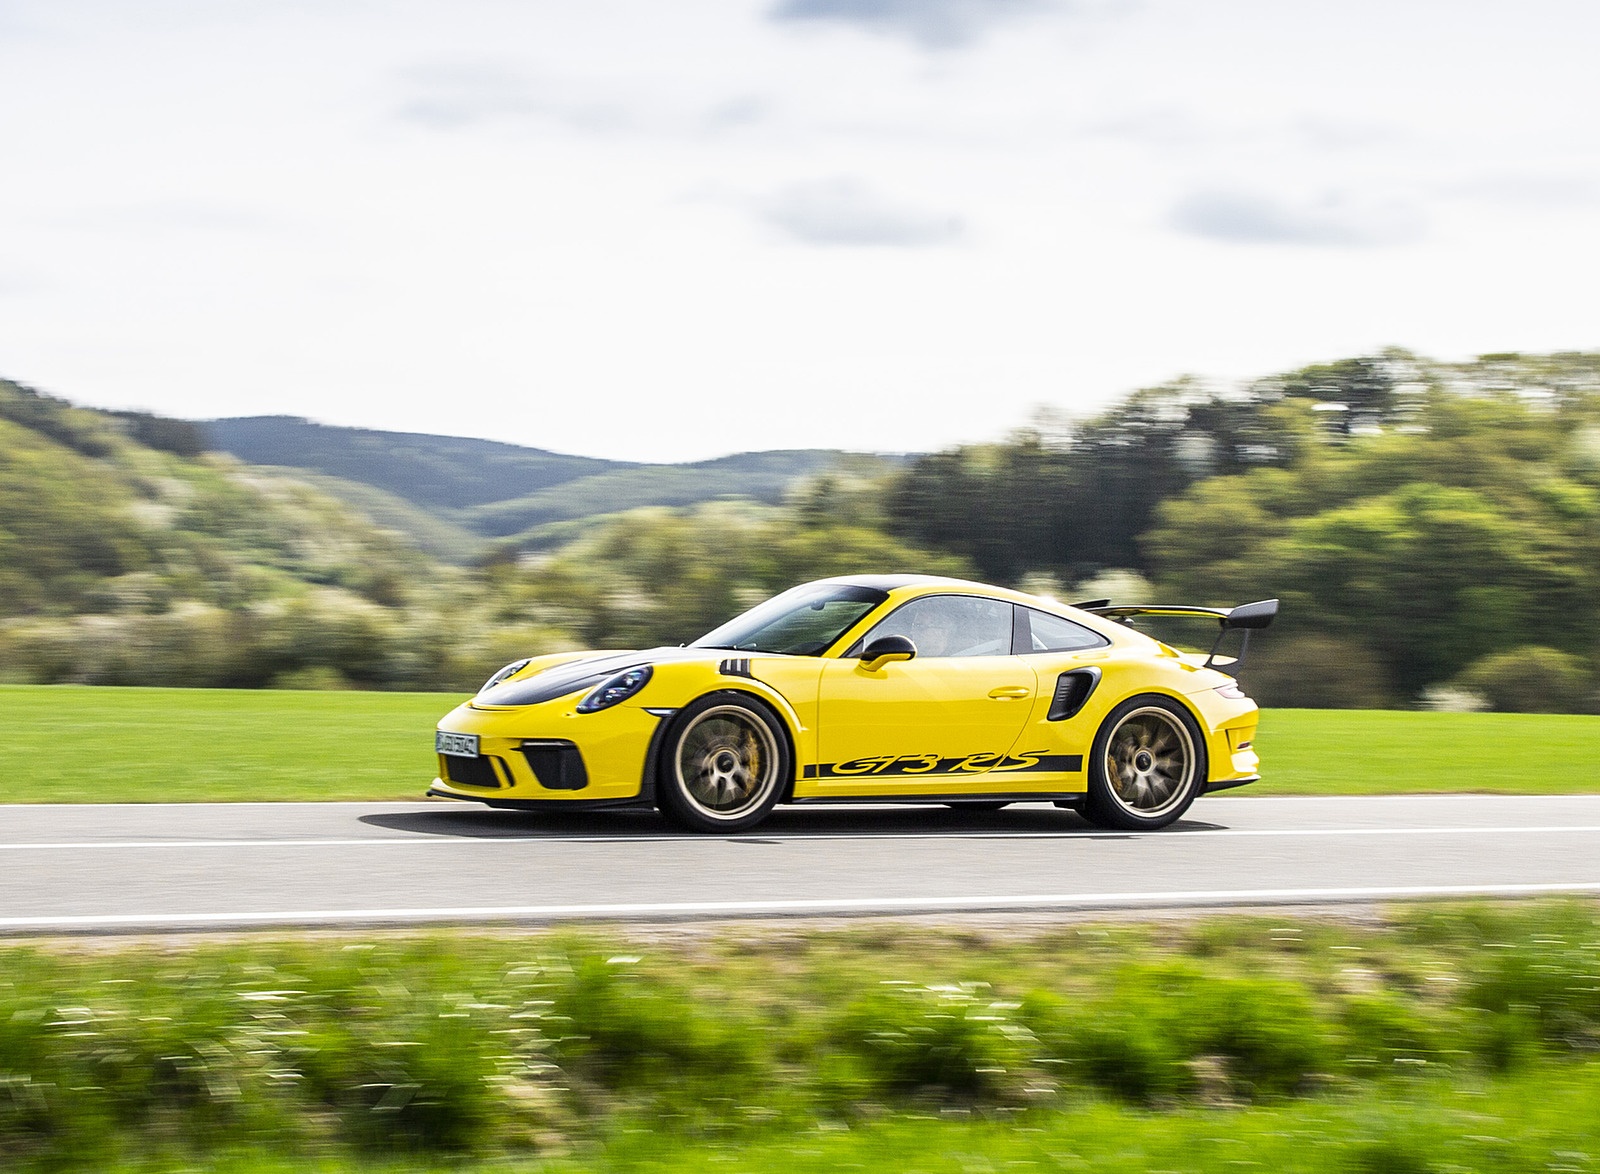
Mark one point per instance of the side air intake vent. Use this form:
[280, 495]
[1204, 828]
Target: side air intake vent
[1073, 690]
[556, 763]
[472, 772]
[737, 667]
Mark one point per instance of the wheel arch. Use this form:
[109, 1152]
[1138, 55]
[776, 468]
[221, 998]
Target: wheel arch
[769, 699]
[1115, 813]
[788, 721]
[1213, 741]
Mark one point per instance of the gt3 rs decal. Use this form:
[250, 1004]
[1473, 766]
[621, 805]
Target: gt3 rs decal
[1034, 761]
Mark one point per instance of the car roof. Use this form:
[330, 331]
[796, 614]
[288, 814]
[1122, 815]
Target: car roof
[910, 586]
[895, 582]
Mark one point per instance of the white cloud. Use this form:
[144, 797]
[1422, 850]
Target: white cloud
[453, 95]
[932, 24]
[843, 211]
[170, 216]
[1333, 219]
[1529, 190]
[470, 218]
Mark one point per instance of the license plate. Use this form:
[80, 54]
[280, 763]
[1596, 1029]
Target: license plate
[461, 745]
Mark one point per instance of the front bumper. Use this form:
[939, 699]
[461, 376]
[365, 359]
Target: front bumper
[548, 753]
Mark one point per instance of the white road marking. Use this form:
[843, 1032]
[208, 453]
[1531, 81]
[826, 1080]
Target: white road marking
[823, 907]
[798, 837]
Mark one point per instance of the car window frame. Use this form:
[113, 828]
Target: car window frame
[853, 650]
[1022, 633]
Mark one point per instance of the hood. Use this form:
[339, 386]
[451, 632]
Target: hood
[584, 673]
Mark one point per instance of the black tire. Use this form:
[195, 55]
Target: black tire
[1148, 765]
[724, 763]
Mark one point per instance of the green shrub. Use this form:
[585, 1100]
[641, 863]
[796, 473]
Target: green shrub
[1267, 1028]
[1389, 1156]
[1382, 1029]
[941, 1040]
[1146, 1042]
[1532, 679]
[624, 1032]
[1548, 978]
[1313, 671]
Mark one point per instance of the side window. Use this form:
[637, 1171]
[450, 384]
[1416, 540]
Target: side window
[950, 625]
[1048, 633]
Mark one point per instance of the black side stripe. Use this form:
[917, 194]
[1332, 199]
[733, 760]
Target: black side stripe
[928, 766]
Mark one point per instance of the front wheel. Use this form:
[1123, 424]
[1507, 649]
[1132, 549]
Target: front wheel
[724, 764]
[1148, 765]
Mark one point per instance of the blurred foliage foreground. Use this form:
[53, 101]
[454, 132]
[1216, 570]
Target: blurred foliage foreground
[1379, 1045]
[1433, 530]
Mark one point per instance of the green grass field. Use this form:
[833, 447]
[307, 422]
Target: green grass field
[1387, 751]
[70, 744]
[77, 744]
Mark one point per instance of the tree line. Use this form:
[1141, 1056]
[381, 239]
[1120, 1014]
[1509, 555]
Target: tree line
[1433, 530]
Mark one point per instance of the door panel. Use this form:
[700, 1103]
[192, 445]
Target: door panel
[934, 725]
[1062, 746]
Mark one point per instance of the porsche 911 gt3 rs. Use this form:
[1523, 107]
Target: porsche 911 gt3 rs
[876, 688]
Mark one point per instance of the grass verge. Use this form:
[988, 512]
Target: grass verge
[118, 745]
[102, 744]
[1442, 1038]
[1385, 751]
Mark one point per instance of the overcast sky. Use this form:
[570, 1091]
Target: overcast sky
[670, 230]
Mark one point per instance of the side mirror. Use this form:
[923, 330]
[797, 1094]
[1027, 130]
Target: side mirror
[885, 649]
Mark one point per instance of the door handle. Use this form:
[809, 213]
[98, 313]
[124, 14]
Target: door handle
[1009, 691]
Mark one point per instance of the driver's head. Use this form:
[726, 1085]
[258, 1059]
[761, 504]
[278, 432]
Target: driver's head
[929, 631]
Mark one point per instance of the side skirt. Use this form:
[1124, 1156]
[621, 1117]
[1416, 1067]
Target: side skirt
[1059, 798]
[1229, 784]
[628, 803]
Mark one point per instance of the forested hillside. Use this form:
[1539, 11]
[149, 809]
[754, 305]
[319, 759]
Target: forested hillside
[124, 563]
[449, 495]
[1429, 526]
[443, 471]
[1433, 530]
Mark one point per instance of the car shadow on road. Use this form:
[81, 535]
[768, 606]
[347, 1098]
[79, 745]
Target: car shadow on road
[789, 822]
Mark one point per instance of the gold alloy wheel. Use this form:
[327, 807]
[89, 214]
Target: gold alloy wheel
[1150, 762]
[726, 762]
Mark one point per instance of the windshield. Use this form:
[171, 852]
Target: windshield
[803, 621]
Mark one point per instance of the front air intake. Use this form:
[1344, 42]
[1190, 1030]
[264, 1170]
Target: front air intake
[471, 772]
[556, 763]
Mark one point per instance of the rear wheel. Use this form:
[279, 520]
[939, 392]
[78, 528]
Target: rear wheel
[1148, 765]
[725, 762]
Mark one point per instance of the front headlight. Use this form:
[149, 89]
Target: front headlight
[510, 670]
[618, 688]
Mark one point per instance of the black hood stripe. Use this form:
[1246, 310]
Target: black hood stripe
[574, 675]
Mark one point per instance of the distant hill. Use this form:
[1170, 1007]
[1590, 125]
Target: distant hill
[439, 472]
[447, 493]
[430, 531]
[115, 513]
[761, 476]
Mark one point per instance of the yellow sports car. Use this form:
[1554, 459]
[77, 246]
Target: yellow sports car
[874, 688]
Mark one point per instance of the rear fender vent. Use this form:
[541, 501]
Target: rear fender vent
[1073, 690]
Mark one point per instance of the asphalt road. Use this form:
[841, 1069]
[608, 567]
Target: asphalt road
[124, 868]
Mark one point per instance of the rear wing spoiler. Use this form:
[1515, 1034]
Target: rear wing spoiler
[1246, 617]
